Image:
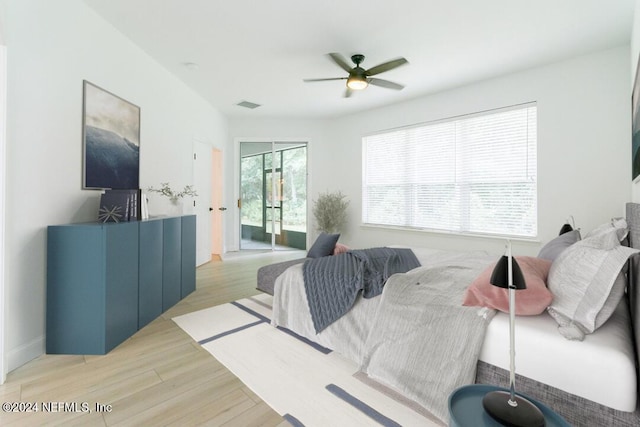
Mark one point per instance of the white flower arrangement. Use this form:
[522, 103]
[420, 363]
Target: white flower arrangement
[166, 190]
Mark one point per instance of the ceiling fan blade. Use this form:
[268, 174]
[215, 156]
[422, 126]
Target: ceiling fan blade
[324, 80]
[339, 59]
[390, 65]
[348, 93]
[384, 83]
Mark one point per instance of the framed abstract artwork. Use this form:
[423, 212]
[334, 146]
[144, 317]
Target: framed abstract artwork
[635, 127]
[111, 140]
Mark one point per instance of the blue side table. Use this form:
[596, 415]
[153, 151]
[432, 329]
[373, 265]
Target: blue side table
[465, 408]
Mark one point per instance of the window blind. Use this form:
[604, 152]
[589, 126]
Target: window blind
[471, 174]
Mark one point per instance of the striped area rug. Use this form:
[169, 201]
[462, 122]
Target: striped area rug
[307, 384]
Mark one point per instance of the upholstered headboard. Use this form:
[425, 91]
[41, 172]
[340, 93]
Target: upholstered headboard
[633, 285]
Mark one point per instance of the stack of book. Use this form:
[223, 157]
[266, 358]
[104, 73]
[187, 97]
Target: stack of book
[122, 205]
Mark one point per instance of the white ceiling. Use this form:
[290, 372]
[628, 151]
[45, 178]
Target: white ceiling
[260, 51]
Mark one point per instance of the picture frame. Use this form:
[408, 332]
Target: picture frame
[110, 140]
[635, 126]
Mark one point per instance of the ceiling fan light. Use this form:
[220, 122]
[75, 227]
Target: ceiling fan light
[357, 83]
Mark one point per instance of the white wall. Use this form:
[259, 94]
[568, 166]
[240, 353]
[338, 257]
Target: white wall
[583, 146]
[52, 47]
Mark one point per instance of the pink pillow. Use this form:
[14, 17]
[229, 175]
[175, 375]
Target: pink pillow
[529, 302]
[340, 249]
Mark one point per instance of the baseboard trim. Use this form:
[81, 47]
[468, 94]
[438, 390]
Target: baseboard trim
[25, 353]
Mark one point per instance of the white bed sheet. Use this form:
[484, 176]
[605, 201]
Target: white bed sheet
[601, 368]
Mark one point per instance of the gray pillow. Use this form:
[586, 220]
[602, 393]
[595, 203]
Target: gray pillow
[553, 248]
[587, 282]
[323, 246]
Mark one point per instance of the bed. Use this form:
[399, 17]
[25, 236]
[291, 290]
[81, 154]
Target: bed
[589, 382]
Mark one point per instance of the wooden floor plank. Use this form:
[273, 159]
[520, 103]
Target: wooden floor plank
[219, 411]
[259, 415]
[159, 376]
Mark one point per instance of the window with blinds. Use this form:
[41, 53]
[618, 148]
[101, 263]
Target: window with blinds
[473, 174]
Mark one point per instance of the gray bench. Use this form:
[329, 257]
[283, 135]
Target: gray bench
[268, 274]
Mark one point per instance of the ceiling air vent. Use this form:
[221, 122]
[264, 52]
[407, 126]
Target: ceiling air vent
[248, 104]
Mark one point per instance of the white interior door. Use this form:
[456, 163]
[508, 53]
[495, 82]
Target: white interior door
[202, 165]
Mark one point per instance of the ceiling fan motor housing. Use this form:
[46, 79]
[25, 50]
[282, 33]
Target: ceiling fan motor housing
[358, 73]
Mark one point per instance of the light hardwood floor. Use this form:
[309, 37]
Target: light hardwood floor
[159, 376]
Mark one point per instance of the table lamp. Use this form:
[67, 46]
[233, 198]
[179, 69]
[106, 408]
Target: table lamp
[504, 406]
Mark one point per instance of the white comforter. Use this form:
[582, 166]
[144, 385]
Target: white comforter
[348, 335]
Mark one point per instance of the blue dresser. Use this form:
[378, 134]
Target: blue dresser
[106, 281]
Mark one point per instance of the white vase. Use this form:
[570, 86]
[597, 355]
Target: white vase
[176, 208]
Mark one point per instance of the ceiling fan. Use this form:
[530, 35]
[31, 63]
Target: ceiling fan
[359, 78]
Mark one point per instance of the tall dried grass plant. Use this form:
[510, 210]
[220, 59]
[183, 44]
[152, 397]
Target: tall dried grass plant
[330, 211]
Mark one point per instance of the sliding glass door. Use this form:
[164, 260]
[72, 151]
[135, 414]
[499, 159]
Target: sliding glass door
[273, 195]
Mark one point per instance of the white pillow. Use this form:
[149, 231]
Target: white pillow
[587, 281]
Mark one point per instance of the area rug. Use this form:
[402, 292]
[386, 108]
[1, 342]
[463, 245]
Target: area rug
[308, 385]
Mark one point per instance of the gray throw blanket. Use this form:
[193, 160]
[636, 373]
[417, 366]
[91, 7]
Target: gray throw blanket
[423, 342]
[332, 283]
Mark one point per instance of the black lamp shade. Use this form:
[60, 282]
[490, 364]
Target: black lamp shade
[565, 229]
[500, 275]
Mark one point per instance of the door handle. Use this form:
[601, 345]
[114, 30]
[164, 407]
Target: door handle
[222, 209]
